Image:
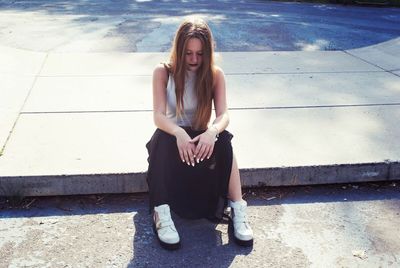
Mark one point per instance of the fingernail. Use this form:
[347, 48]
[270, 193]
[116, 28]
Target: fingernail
[188, 163]
[198, 161]
[201, 159]
[192, 164]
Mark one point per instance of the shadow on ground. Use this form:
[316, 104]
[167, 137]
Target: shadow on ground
[204, 244]
[285, 219]
[144, 26]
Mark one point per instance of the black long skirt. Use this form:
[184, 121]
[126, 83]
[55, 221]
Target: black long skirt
[191, 192]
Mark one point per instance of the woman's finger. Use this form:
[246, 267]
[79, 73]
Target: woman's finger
[199, 148]
[210, 152]
[186, 155]
[181, 155]
[191, 156]
[202, 149]
[205, 152]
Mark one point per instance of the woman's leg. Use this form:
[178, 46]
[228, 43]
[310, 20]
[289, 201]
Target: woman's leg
[235, 187]
[242, 231]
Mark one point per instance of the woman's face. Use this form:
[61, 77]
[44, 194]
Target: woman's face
[194, 54]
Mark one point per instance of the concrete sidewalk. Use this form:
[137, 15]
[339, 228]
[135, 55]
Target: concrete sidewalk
[77, 123]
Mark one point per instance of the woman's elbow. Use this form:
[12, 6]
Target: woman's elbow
[227, 118]
[157, 117]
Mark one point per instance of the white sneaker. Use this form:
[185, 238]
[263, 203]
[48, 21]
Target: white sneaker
[165, 229]
[242, 231]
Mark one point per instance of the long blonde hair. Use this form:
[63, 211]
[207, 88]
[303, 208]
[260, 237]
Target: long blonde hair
[204, 85]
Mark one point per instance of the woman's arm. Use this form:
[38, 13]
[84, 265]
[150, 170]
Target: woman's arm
[183, 140]
[221, 108]
[160, 80]
[206, 140]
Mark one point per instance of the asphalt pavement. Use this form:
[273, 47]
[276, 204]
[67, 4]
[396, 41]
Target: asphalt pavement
[347, 225]
[149, 26]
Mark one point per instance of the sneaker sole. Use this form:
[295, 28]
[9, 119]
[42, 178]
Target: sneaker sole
[243, 243]
[164, 245]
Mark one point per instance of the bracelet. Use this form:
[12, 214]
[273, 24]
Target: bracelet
[216, 136]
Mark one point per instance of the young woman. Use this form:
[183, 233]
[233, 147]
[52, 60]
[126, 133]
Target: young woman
[192, 169]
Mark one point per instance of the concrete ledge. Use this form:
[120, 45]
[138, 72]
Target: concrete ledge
[136, 182]
[324, 174]
[73, 184]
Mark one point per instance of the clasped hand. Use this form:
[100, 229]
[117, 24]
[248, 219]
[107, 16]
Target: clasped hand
[196, 149]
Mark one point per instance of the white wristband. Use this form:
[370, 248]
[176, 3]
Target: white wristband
[213, 126]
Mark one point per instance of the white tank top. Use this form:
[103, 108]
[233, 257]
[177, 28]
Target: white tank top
[189, 100]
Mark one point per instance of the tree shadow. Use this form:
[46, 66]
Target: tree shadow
[244, 26]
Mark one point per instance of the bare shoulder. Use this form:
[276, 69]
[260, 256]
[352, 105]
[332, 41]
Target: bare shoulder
[160, 73]
[218, 71]
[219, 76]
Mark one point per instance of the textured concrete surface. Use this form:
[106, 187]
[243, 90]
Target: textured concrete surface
[133, 92]
[326, 226]
[320, 136]
[13, 91]
[312, 89]
[78, 143]
[383, 55]
[106, 64]
[88, 116]
[20, 62]
[88, 93]
[101, 64]
[293, 62]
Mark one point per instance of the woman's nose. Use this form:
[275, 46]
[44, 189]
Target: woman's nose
[194, 59]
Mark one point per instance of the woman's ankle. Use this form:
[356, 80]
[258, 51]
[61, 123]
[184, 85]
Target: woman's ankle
[238, 199]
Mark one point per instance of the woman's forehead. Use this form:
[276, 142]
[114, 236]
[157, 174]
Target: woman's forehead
[194, 44]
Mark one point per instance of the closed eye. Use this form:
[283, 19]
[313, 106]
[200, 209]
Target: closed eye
[190, 53]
